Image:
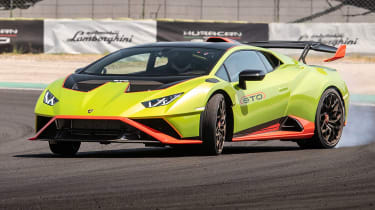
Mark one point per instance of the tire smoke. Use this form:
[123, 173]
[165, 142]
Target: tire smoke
[360, 128]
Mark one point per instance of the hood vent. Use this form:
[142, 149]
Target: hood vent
[86, 83]
[142, 85]
[86, 86]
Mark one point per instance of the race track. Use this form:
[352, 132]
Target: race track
[259, 175]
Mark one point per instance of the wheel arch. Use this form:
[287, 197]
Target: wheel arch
[317, 136]
[338, 90]
[324, 89]
[229, 103]
[228, 99]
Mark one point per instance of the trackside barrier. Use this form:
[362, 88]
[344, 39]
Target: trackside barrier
[104, 36]
[96, 36]
[21, 36]
[200, 31]
[358, 37]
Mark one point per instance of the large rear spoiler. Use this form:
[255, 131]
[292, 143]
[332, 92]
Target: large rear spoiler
[305, 45]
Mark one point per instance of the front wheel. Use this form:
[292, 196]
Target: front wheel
[65, 148]
[329, 122]
[214, 125]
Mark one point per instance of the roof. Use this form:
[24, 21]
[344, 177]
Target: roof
[211, 45]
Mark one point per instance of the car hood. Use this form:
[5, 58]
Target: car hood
[122, 97]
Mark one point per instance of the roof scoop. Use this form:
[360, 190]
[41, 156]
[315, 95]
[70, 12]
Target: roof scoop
[221, 39]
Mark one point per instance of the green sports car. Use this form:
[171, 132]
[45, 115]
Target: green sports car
[201, 93]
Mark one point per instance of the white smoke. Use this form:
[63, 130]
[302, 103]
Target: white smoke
[360, 128]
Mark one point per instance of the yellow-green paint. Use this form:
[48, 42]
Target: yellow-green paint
[292, 89]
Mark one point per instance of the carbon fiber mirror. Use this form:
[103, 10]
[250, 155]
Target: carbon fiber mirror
[250, 75]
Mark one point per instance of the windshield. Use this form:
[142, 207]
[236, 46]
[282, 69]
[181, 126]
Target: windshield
[157, 61]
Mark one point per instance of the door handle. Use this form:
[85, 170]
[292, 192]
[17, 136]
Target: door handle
[282, 89]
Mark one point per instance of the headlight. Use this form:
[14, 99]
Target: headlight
[50, 99]
[161, 101]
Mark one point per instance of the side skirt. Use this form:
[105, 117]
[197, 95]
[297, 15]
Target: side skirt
[291, 127]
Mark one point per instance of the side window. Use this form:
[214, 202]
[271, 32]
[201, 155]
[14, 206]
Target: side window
[269, 67]
[222, 73]
[275, 62]
[243, 60]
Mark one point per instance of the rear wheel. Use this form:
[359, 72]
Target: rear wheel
[214, 125]
[329, 122]
[66, 148]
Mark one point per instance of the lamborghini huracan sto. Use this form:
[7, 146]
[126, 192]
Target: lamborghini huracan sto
[196, 93]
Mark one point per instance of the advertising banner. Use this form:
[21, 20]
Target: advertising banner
[199, 31]
[359, 37]
[96, 37]
[21, 36]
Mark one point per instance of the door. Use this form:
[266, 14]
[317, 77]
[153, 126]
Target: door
[262, 101]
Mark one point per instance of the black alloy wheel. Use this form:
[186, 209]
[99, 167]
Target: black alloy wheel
[221, 126]
[214, 125]
[331, 119]
[329, 122]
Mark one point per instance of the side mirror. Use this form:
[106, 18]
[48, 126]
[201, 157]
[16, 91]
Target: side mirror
[250, 75]
[78, 70]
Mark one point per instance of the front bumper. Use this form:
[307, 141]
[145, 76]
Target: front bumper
[54, 129]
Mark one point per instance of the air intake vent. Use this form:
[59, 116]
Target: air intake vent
[290, 124]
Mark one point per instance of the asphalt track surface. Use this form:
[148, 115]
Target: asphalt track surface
[258, 175]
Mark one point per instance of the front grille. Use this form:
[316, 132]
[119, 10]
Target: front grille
[91, 124]
[97, 130]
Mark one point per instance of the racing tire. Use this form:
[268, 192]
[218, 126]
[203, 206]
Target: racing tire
[214, 125]
[65, 148]
[329, 122]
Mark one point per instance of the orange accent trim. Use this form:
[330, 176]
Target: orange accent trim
[308, 132]
[340, 53]
[127, 87]
[42, 129]
[163, 138]
[8, 35]
[222, 38]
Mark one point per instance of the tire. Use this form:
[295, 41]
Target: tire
[214, 125]
[65, 148]
[329, 122]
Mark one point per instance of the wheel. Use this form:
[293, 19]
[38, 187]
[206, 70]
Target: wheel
[66, 148]
[329, 122]
[214, 125]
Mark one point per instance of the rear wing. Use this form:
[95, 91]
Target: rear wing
[306, 46]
